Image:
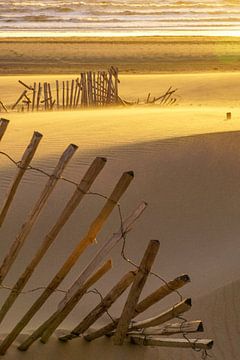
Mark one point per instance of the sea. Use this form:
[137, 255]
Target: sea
[119, 17]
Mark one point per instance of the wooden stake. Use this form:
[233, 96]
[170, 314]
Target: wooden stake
[102, 307]
[171, 329]
[34, 96]
[151, 299]
[19, 99]
[3, 106]
[45, 92]
[95, 228]
[3, 127]
[116, 85]
[78, 92]
[57, 93]
[25, 161]
[60, 315]
[169, 342]
[126, 227]
[135, 291]
[50, 96]
[48, 327]
[75, 200]
[161, 293]
[67, 98]
[168, 315]
[26, 229]
[71, 94]
[94, 89]
[39, 95]
[63, 95]
[25, 85]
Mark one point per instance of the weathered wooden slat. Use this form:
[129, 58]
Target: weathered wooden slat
[3, 127]
[127, 225]
[135, 291]
[39, 95]
[25, 85]
[102, 307]
[161, 293]
[84, 186]
[94, 229]
[25, 161]
[57, 94]
[34, 96]
[47, 328]
[205, 344]
[143, 305]
[75, 200]
[171, 329]
[71, 94]
[26, 229]
[67, 94]
[79, 89]
[3, 106]
[63, 95]
[50, 96]
[60, 315]
[168, 315]
[19, 99]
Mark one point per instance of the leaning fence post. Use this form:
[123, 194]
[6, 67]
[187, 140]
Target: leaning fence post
[32, 217]
[150, 300]
[60, 315]
[25, 161]
[3, 127]
[57, 93]
[52, 323]
[135, 291]
[102, 307]
[72, 204]
[34, 96]
[39, 95]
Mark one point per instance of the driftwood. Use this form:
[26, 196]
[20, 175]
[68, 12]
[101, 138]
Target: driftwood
[73, 203]
[52, 323]
[135, 291]
[150, 300]
[3, 127]
[169, 342]
[25, 161]
[100, 309]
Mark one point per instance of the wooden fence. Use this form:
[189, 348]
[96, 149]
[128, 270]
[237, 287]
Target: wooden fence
[89, 90]
[155, 331]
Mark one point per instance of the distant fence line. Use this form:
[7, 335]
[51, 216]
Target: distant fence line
[89, 90]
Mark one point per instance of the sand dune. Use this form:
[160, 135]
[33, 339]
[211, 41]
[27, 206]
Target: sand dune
[186, 168]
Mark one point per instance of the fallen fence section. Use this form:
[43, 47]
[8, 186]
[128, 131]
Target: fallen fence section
[154, 331]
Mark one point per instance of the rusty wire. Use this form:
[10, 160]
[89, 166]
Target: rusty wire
[204, 353]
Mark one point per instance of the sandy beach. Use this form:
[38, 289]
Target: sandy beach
[186, 163]
[131, 54]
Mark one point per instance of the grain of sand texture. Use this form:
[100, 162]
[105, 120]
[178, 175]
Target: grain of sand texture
[187, 167]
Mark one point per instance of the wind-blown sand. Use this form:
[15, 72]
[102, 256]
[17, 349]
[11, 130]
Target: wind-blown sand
[187, 167]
